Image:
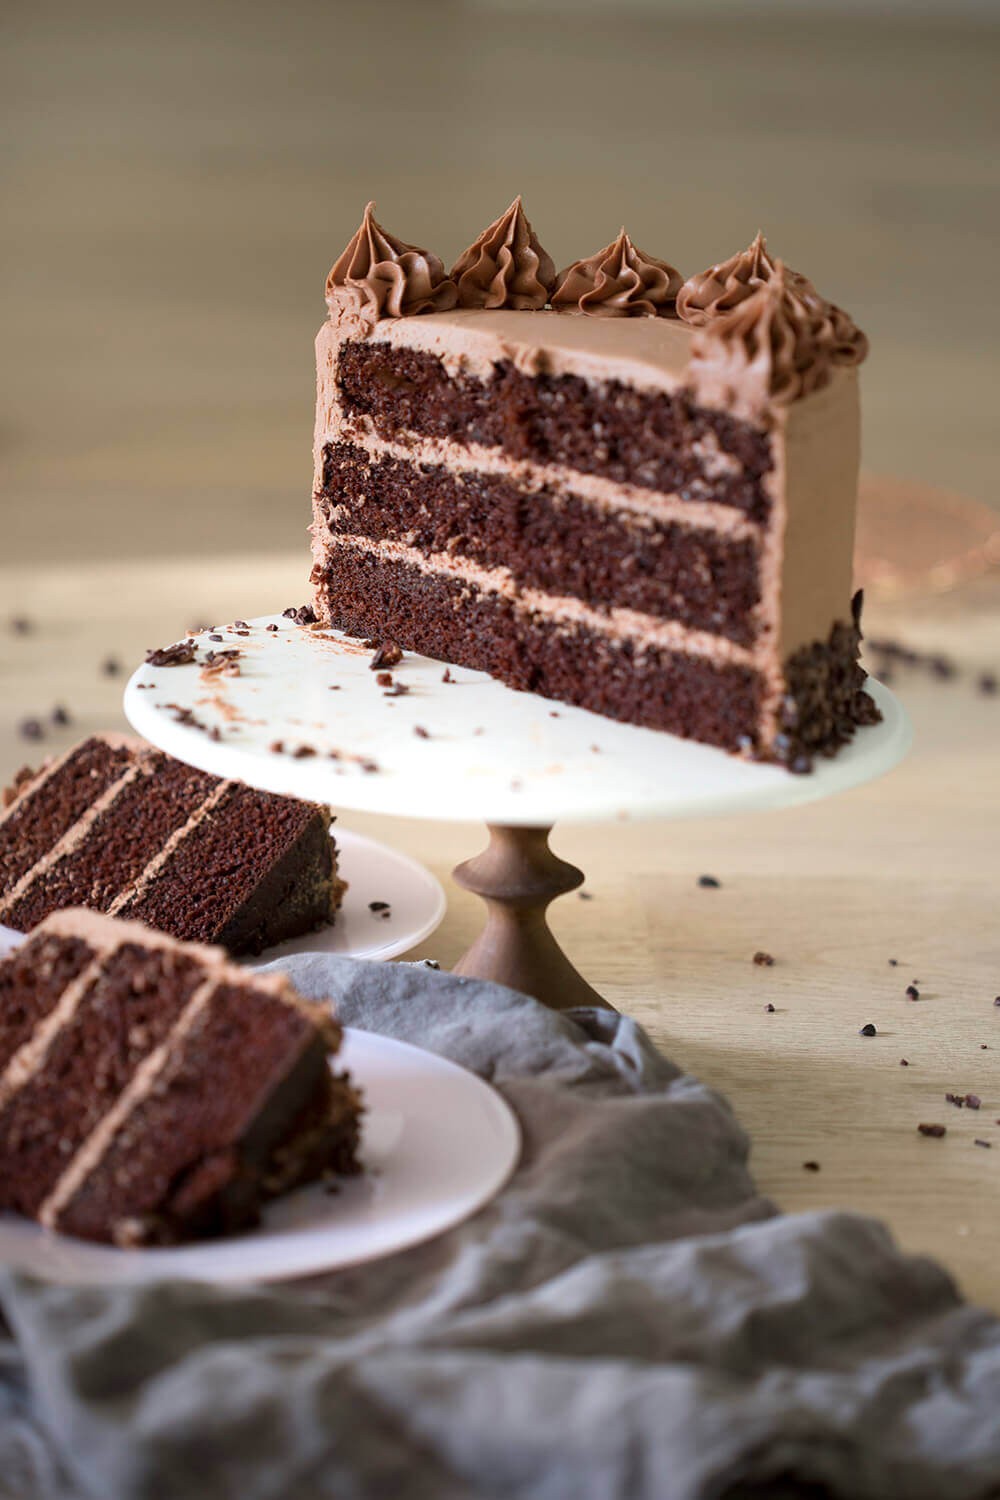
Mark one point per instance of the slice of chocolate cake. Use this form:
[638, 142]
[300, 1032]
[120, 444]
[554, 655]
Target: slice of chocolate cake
[609, 486]
[119, 827]
[151, 1091]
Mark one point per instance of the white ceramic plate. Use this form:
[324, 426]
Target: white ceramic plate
[438, 1143]
[374, 872]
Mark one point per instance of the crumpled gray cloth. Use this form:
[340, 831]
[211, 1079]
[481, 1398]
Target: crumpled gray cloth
[628, 1319]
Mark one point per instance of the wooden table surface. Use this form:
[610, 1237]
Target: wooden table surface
[905, 868]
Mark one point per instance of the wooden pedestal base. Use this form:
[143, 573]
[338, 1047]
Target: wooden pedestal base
[517, 876]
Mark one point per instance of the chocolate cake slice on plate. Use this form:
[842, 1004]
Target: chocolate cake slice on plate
[123, 829]
[151, 1091]
[608, 486]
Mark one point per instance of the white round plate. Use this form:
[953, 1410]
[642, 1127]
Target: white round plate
[374, 872]
[438, 1143]
[490, 753]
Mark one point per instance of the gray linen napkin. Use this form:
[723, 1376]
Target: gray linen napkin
[628, 1319]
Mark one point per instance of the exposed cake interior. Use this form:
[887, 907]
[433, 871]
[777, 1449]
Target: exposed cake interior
[123, 829]
[162, 1093]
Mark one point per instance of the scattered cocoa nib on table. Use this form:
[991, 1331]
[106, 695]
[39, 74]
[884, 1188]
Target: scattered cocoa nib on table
[61, 715]
[31, 729]
[911, 992]
[420, 732]
[384, 679]
[709, 883]
[180, 654]
[868, 1029]
[770, 1008]
[810, 1166]
[380, 908]
[111, 667]
[387, 654]
[763, 960]
[272, 628]
[446, 675]
[935, 1131]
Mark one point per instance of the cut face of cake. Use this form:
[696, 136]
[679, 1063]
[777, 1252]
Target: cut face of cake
[560, 480]
[151, 1091]
[119, 827]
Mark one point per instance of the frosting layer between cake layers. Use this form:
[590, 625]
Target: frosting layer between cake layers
[543, 496]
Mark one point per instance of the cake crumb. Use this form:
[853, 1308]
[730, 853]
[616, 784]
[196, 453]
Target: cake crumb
[384, 679]
[763, 960]
[911, 992]
[903, 1063]
[420, 732]
[935, 1131]
[387, 654]
[446, 675]
[31, 729]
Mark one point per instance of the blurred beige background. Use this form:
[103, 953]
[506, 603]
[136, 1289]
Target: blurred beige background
[179, 178]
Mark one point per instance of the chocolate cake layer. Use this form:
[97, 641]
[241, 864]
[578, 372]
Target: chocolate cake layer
[126, 1011]
[152, 1091]
[564, 544]
[201, 889]
[119, 844]
[651, 439]
[192, 1150]
[121, 828]
[31, 981]
[457, 621]
[49, 806]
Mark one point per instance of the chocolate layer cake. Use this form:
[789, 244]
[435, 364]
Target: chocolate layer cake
[151, 1091]
[121, 828]
[609, 486]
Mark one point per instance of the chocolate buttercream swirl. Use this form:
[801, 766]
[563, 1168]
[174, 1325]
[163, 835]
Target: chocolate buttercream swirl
[505, 266]
[720, 290]
[378, 276]
[618, 282]
[774, 347]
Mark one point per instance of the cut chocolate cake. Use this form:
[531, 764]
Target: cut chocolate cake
[608, 486]
[151, 1091]
[119, 827]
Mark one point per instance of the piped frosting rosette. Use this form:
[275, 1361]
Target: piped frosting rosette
[379, 276]
[505, 266]
[620, 281]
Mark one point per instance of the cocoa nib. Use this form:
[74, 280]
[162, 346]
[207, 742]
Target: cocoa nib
[388, 654]
[177, 655]
[937, 1131]
[709, 883]
[303, 614]
[763, 960]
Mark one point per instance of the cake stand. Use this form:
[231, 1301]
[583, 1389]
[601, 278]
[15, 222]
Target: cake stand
[309, 716]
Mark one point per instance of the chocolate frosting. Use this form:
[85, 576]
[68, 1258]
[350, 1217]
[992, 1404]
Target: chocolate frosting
[774, 346]
[505, 266]
[618, 282]
[378, 276]
[720, 290]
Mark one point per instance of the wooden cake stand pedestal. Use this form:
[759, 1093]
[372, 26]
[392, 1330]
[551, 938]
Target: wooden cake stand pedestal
[307, 716]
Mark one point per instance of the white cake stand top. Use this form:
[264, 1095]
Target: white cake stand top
[307, 716]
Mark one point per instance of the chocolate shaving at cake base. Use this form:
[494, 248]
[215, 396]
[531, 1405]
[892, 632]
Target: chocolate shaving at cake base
[180, 654]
